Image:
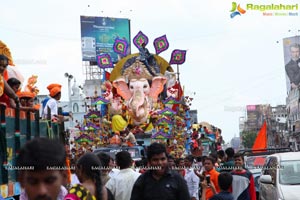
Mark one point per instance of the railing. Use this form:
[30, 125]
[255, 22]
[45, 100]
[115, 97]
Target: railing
[18, 127]
[267, 151]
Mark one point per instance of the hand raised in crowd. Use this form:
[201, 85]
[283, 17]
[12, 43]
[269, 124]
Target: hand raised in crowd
[201, 176]
[211, 185]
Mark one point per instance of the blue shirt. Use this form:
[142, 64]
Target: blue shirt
[223, 195]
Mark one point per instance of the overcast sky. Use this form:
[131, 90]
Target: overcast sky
[230, 63]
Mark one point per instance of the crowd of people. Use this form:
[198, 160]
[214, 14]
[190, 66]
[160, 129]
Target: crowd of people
[44, 175]
[12, 95]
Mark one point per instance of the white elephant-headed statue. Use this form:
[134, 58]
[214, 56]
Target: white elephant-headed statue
[139, 89]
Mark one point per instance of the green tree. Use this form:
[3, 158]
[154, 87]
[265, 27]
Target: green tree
[248, 138]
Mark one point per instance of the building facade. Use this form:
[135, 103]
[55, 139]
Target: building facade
[276, 118]
[293, 118]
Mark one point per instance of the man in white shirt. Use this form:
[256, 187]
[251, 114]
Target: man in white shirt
[113, 169]
[122, 184]
[130, 136]
[52, 103]
[191, 178]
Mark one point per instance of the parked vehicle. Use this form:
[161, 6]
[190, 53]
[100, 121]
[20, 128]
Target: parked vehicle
[280, 178]
[255, 160]
[137, 152]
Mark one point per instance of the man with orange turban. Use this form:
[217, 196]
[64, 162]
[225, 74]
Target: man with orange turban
[52, 103]
[27, 101]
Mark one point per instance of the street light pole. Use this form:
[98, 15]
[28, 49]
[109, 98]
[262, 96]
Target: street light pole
[70, 77]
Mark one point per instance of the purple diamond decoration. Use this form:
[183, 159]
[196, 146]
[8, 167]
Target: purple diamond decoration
[178, 57]
[160, 135]
[104, 61]
[139, 39]
[84, 138]
[162, 121]
[166, 111]
[161, 44]
[121, 46]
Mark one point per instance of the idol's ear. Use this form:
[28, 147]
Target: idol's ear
[122, 88]
[157, 87]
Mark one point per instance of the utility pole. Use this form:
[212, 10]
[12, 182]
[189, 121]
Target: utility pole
[70, 77]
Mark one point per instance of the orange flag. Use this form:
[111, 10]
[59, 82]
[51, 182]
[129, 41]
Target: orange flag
[261, 138]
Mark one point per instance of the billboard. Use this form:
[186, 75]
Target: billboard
[291, 51]
[256, 114]
[252, 116]
[98, 35]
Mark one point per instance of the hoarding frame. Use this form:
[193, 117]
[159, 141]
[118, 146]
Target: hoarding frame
[98, 35]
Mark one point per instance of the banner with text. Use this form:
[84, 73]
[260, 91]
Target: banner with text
[98, 35]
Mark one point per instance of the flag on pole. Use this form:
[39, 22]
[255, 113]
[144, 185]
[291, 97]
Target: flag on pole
[178, 57]
[261, 138]
[107, 75]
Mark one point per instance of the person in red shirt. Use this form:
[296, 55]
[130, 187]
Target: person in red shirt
[195, 134]
[5, 89]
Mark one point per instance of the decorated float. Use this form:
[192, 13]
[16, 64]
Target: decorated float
[143, 91]
[18, 126]
[208, 139]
